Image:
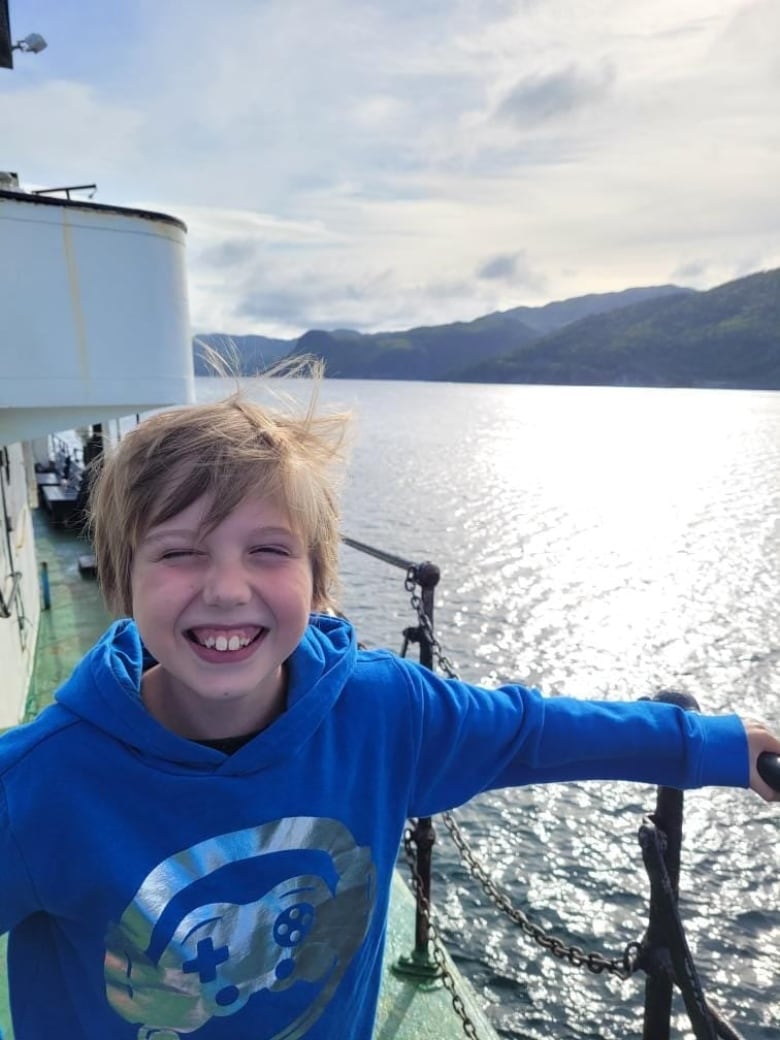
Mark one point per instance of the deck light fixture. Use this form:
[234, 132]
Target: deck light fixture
[33, 43]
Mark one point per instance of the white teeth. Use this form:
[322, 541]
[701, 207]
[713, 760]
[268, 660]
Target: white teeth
[222, 643]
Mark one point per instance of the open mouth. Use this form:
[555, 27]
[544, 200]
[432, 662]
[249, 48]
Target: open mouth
[224, 640]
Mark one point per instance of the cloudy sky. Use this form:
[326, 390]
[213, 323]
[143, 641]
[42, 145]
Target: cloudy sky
[378, 164]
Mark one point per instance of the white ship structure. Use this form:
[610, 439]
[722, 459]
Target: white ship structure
[95, 327]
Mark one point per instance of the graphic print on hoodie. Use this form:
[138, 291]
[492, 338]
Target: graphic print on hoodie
[184, 952]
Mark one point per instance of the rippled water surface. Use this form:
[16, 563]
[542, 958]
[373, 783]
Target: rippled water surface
[598, 542]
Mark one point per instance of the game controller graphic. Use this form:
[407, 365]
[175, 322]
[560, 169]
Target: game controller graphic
[180, 956]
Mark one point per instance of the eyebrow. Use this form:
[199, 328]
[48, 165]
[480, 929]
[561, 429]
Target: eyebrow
[195, 533]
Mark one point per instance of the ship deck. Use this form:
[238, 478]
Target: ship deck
[407, 1010]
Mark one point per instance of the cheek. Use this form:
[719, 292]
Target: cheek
[308, 590]
[153, 594]
[300, 594]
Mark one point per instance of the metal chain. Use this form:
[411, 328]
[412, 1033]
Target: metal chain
[446, 665]
[439, 956]
[622, 967]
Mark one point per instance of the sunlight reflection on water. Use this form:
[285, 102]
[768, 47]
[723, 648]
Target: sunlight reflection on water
[596, 542]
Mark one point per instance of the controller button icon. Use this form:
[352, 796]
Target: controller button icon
[284, 969]
[293, 925]
[227, 995]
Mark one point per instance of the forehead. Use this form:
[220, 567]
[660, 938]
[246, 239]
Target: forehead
[255, 512]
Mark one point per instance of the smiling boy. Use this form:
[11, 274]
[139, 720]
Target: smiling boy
[198, 837]
[220, 611]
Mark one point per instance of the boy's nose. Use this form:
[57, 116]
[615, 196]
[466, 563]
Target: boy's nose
[226, 585]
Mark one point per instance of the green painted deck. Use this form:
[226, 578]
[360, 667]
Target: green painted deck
[67, 630]
[76, 617]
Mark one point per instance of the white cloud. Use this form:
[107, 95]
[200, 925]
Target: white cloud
[361, 162]
[59, 130]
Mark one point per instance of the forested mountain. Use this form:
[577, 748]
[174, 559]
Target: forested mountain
[656, 336]
[729, 337]
[553, 316]
[428, 352]
[445, 351]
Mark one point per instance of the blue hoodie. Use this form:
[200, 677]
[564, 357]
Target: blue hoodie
[157, 888]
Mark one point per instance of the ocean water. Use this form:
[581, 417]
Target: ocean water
[598, 542]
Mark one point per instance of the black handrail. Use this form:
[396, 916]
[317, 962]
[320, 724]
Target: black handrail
[379, 554]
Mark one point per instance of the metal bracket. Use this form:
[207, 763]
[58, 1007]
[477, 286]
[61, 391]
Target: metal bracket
[5, 604]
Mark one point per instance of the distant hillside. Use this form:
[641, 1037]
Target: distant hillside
[655, 336]
[727, 337]
[553, 316]
[444, 351]
[428, 352]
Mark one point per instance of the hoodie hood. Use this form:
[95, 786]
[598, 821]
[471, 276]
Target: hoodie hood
[104, 691]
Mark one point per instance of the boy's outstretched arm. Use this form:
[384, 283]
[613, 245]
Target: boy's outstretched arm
[761, 740]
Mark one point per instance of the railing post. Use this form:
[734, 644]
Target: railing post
[420, 964]
[658, 983]
[668, 819]
[427, 576]
[425, 834]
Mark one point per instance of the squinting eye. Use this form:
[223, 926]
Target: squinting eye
[175, 554]
[272, 550]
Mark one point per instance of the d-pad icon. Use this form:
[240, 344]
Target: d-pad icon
[206, 961]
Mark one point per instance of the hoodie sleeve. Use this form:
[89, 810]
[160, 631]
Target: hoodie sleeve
[471, 739]
[17, 896]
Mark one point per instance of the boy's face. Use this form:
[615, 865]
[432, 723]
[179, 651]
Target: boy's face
[221, 612]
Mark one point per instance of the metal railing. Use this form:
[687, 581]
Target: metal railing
[662, 954]
[420, 963]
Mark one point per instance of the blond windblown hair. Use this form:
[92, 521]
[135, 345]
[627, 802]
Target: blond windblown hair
[226, 451]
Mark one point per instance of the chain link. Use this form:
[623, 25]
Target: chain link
[439, 955]
[624, 966]
[446, 665]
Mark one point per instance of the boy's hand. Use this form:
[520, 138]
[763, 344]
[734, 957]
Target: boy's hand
[760, 740]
